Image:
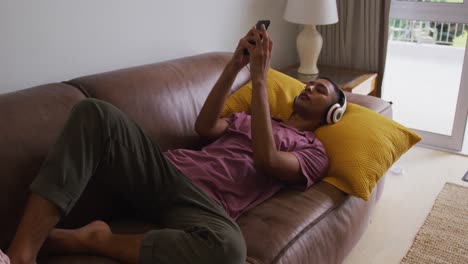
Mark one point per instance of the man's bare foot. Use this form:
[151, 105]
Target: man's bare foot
[81, 240]
[4, 259]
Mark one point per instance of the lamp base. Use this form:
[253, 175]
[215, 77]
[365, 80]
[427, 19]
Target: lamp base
[308, 71]
[309, 44]
[306, 77]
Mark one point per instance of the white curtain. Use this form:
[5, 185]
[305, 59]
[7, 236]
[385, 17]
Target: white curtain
[359, 39]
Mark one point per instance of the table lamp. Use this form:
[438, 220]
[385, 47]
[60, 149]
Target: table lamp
[309, 41]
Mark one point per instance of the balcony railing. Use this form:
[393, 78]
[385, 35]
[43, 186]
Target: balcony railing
[454, 34]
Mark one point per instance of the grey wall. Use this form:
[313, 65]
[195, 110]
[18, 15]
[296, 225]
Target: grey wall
[56, 40]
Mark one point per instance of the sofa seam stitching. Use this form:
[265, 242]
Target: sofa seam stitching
[307, 228]
[78, 86]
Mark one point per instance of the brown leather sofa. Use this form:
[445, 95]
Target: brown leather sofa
[320, 225]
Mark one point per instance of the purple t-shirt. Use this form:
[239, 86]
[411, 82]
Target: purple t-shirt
[225, 169]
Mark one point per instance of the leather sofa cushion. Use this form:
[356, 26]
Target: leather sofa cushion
[320, 224]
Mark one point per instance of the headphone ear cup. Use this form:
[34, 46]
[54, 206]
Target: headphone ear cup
[331, 115]
[338, 115]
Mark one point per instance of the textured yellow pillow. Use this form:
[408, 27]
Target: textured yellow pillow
[281, 92]
[362, 147]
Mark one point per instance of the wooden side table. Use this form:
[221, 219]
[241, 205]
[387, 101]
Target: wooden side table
[350, 80]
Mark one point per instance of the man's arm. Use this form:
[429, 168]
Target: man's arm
[281, 165]
[208, 124]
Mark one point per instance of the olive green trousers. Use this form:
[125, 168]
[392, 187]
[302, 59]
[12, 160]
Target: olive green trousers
[98, 137]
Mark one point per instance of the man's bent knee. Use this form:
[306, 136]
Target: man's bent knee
[90, 105]
[95, 110]
[234, 251]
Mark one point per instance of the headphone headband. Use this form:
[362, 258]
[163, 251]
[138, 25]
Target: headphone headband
[343, 100]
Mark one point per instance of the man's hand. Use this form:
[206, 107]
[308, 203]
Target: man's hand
[260, 52]
[240, 58]
[209, 124]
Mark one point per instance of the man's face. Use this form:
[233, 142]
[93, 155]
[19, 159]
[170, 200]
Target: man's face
[316, 98]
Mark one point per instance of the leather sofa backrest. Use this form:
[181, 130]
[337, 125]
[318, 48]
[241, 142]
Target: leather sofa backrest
[163, 98]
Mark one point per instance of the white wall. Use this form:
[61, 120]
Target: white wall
[55, 40]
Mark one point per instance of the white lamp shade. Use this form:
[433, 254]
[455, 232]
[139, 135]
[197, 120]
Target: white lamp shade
[311, 12]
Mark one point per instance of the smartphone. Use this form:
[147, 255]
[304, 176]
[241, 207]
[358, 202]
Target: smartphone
[258, 26]
[262, 22]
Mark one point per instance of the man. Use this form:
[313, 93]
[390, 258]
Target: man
[195, 195]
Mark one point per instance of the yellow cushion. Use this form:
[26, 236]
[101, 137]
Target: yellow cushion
[281, 92]
[361, 147]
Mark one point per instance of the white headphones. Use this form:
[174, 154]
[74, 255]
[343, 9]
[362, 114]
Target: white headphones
[336, 111]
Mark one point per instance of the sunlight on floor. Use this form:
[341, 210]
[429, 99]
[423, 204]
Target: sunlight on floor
[406, 201]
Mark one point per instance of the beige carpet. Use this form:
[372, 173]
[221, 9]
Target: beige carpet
[444, 236]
